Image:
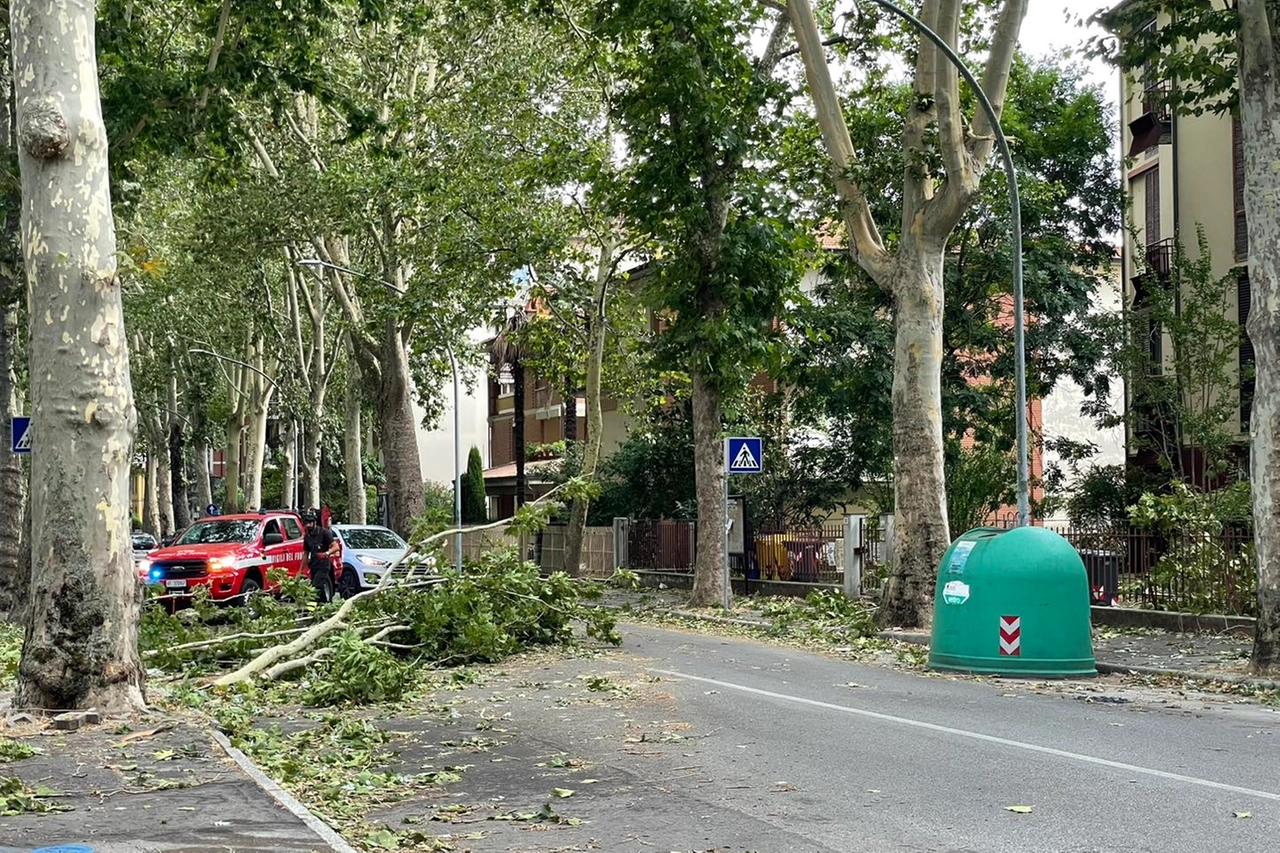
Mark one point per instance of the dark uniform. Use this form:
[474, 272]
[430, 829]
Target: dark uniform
[317, 542]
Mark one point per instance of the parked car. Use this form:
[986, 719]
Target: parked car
[231, 555]
[143, 544]
[368, 550]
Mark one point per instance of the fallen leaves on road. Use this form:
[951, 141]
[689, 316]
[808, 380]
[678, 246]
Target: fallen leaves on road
[1243, 815]
[562, 793]
[1018, 809]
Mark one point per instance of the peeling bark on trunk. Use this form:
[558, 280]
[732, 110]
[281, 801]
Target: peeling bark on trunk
[81, 639]
[150, 499]
[289, 448]
[921, 533]
[204, 488]
[933, 201]
[164, 487]
[708, 467]
[384, 363]
[178, 462]
[1260, 132]
[256, 449]
[399, 443]
[231, 474]
[353, 456]
[15, 573]
[311, 464]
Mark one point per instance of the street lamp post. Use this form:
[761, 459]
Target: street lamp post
[457, 432]
[1019, 333]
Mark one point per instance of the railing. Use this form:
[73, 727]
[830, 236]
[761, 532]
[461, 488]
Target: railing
[801, 555]
[1194, 572]
[1155, 100]
[664, 545]
[1207, 572]
[1160, 257]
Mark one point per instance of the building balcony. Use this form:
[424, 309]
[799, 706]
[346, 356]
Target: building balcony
[1160, 257]
[1154, 126]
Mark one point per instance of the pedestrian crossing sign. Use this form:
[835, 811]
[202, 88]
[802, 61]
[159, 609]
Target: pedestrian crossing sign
[20, 435]
[744, 455]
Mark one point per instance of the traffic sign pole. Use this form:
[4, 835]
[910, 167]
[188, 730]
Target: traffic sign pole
[741, 456]
[728, 520]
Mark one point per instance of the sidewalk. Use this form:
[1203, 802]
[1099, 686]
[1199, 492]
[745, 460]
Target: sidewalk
[160, 788]
[1223, 656]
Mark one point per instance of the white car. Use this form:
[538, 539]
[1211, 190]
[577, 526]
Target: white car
[367, 551]
[143, 544]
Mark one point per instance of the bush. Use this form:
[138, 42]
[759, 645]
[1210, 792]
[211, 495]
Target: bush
[1202, 575]
[1208, 566]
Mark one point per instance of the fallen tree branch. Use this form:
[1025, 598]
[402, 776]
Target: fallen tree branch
[269, 657]
[320, 654]
[297, 663]
[216, 641]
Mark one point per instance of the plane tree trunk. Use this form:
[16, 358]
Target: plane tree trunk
[80, 648]
[1260, 133]
[933, 201]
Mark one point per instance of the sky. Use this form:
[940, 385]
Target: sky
[1046, 29]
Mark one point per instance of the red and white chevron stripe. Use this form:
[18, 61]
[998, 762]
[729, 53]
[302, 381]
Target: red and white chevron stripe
[1011, 636]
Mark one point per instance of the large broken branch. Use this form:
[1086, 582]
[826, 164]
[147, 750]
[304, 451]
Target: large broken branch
[865, 244]
[275, 654]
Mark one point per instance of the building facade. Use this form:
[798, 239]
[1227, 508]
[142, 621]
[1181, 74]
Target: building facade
[1182, 174]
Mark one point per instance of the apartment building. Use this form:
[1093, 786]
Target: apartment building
[1181, 173]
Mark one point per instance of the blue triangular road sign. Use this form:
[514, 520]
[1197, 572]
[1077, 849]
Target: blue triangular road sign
[20, 435]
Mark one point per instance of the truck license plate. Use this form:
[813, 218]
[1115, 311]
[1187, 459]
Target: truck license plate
[176, 584]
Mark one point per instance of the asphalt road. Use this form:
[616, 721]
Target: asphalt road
[733, 745]
[905, 762]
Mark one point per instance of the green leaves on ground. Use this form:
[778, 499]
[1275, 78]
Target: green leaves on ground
[1018, 809]
[360, 673]
[825, 613]
[15, 750]
[16, 798]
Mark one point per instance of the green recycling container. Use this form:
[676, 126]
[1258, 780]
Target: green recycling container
[1012, 602]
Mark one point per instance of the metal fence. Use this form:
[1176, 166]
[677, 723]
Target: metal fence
[661, 546]
[1197, 572]
[800, 554]
[1205, 572]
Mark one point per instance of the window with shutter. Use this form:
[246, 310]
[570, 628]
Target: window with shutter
[1244, 299]
[1237, 182]
[1152, 182]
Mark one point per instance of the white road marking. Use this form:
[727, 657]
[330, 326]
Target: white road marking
[1016, 744]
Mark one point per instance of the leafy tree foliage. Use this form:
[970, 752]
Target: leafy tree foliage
[694, 104]
[840, 356]
[475, 509]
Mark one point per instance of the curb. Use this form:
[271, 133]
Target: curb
[1104, 667]
[1107, 668]
[281, 796]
